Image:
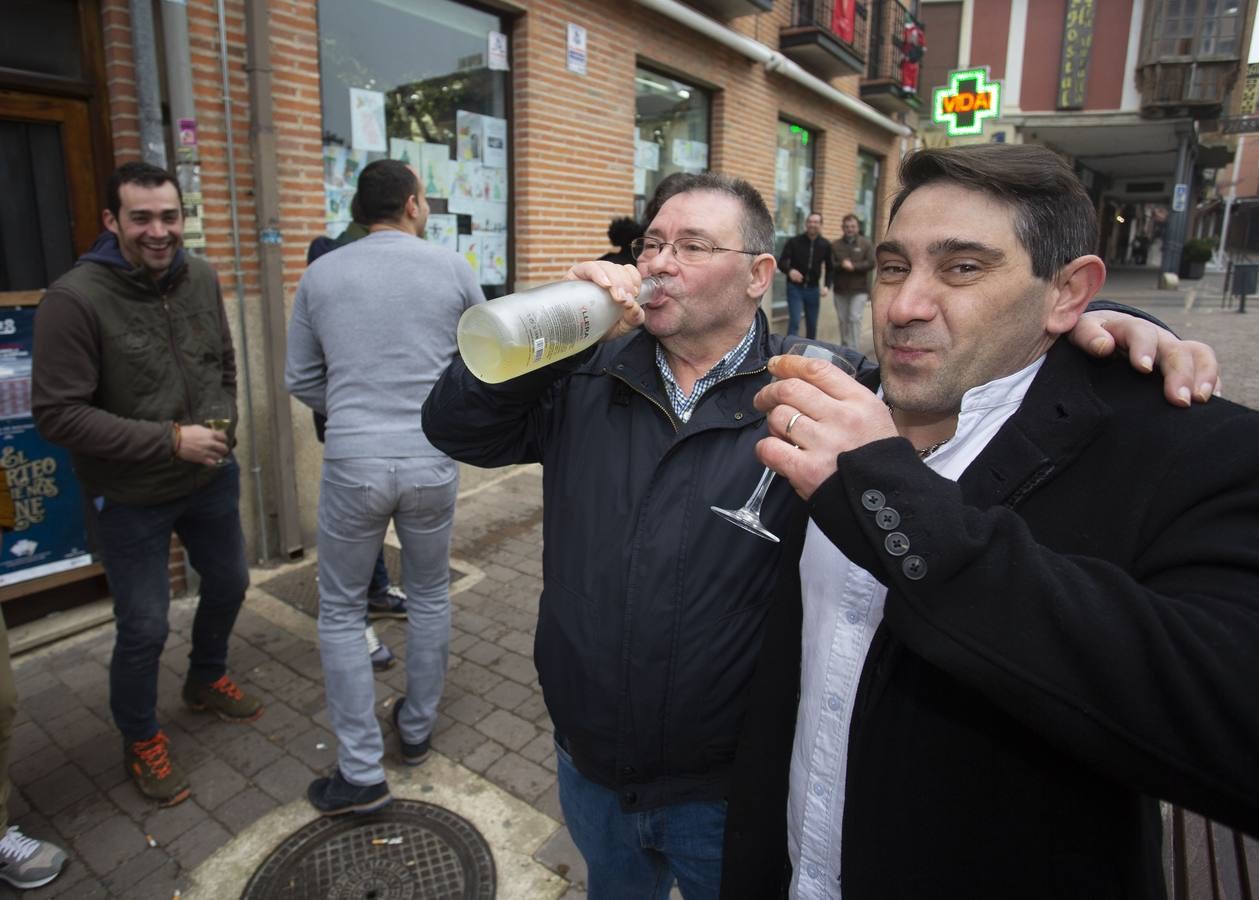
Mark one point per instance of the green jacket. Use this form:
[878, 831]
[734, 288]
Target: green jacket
[118, 359]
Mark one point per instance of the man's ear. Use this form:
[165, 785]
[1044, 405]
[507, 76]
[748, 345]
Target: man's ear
[1075, 285]
[109, 221]
[762, 275]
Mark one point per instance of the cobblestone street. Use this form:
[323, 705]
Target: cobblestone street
[69, 783]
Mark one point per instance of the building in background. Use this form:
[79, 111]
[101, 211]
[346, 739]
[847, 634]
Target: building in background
[532, 123]
[1129, 90]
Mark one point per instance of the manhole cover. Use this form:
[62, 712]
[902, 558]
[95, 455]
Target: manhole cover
[407, 850]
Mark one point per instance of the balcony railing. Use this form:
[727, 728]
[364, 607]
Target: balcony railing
[813, 41]
[1199, 88]
[885, 85]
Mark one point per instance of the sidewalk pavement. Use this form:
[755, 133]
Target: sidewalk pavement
[494, 760]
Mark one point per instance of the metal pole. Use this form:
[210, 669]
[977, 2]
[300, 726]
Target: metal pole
[271, 272]
[152, 142]
[183, 114]
[255, 467]
[1177, 222]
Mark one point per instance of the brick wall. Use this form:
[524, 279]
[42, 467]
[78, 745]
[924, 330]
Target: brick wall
[572, 145]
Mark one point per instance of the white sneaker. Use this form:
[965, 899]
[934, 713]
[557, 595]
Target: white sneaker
[382, 656]
[28, 863]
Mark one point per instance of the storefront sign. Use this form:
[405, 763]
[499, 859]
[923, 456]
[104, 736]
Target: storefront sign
[576, 49]
[1077, 41]
[967, 102]
[1180, 198]
[49, 534]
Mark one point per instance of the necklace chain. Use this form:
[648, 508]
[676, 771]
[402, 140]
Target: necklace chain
[925, 451]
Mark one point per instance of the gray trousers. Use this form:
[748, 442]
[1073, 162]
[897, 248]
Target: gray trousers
[357, 499]
[849, 307]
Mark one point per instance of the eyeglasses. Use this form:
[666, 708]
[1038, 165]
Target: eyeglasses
[693, 251]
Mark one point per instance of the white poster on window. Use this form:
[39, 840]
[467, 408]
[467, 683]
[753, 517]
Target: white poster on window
[333, 166]
[690, 156]
[443, 229]
[493, 258]
[640, 181]
[494, 149]
[469, 139]
[497, 54]
[470, 249]
[405, 151]
[435, 170]
[576, 49]
[647, 155]
[782, 171]
[367, 120]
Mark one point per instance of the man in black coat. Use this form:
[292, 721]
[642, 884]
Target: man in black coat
[807, 263]
[1030, 588]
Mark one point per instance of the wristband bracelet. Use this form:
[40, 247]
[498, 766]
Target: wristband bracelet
[178, 436]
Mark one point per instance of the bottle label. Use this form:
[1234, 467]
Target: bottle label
[539, 348]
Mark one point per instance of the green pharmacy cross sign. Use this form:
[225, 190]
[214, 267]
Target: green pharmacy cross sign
[969, 99]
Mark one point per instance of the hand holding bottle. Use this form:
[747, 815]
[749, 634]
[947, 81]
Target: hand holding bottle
[623, 284]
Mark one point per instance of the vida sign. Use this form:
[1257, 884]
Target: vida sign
[966, 102]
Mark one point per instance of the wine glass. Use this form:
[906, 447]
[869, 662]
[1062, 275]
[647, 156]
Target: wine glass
[748, 516]
[217, 416]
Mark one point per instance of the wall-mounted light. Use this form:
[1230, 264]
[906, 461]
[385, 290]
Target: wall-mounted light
[1119, 219]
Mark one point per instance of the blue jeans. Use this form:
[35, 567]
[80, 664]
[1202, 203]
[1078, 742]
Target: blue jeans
[357, 499]
[636, 856]
[380, 575]
[135, 546]
[799, 296]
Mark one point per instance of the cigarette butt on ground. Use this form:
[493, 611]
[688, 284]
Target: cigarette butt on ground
[376, 842]
[152, 840]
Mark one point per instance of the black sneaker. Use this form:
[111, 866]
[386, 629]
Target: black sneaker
[391, 603]
[333, 795]
[412, 754]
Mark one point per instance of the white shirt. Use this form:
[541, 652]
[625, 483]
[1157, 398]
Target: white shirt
[843, 606]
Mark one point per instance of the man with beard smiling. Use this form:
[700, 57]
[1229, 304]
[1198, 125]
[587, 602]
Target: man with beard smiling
[653, 609]
[132, 355]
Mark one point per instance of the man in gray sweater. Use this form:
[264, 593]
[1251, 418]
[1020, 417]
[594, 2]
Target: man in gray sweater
[373, 326]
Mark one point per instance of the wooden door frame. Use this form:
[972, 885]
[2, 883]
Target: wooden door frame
[82, 189]
[92, 88]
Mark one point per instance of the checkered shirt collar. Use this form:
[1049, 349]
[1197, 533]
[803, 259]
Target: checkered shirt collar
[684, 405]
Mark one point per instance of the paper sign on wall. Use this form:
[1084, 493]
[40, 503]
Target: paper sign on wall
[497, 52]
[576, 49]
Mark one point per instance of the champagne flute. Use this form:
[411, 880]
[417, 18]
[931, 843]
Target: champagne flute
[748, 516]
[217, 416]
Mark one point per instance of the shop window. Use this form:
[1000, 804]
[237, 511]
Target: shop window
[41, 36]
[866, 203]
[793, 194]
[670, 131]
[410, 79]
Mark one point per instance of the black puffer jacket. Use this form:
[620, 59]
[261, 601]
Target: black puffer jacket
[653, 607]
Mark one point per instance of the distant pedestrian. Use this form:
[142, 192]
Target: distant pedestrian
[806, 261]
[134, 372]
[24, 862]
[621, 233]
[373, 326]
[854, 258]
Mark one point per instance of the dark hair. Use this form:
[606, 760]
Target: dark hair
[141, 173]
[384, 187]
[623, 231]
[757, 228]
[1054, 218]
[853, 217]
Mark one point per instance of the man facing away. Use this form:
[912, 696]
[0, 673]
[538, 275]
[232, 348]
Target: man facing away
[853, 255]
[652, 608]
[379, 464]
[806, 261]
[132, 353]
[1030, 588]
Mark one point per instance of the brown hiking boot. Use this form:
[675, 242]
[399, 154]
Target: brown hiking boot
[154, 772]
[224, 698]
